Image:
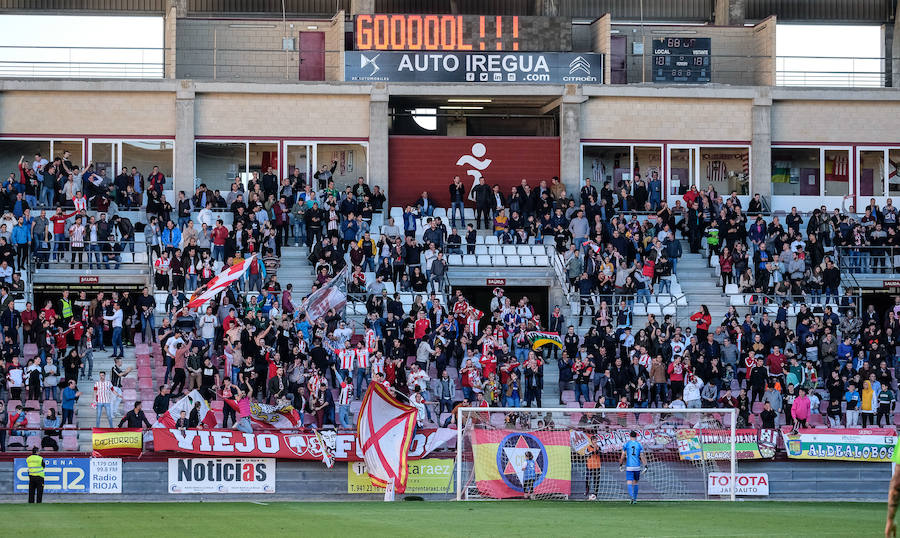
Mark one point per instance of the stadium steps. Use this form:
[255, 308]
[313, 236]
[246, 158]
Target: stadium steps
[700, 285]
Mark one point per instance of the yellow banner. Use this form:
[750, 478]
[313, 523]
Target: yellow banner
[430, 475]
[117, 442]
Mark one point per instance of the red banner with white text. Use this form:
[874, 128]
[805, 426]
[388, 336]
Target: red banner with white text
[297, 446]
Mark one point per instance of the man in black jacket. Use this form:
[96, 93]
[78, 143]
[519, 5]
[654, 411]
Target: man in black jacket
[457, 201]
[484, 199]
[161, 402]
[135, 417]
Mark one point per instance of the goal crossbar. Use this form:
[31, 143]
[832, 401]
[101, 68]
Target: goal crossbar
[594, 410]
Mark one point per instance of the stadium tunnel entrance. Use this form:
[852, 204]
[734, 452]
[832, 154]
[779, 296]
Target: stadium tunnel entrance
[480, 297]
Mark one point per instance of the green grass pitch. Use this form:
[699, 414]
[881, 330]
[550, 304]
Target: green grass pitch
[509, 518]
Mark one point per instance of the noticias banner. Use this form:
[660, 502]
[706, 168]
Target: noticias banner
[228, 475]
[500, 67]
[296, 446]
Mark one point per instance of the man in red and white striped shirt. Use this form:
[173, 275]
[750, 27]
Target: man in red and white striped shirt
[377, 363]
[103, 398]
[345, 359]
[362, 364]
[344, 402]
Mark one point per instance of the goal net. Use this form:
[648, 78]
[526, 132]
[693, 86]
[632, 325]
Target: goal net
[575, 452]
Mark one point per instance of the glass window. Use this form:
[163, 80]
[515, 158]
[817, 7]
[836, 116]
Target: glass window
[795, 172]
[350, 159]
[11, 150]
[680, 170]
[893, 172]
[218, 163]
[144, 155]
[262, 156]
[103, 159]
[300, 158]
[726, 169]
[647, 161]
[606, 163]
[871, 173]
[837, 172]
[74, 147]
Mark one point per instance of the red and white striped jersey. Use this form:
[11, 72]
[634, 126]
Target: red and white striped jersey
[371, 341]
[377, 365]
[103, 392]
[313, 383]
[487, 346]
[362, 358]
[346, 393]
[346, 357]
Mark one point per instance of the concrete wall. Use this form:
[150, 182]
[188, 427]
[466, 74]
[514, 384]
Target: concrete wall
[251, 49]
[85, 113]
[310, 481]
[839, 121]
[267, 115]
[737, 56]
[666, 119]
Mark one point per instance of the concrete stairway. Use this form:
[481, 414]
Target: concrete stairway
[701, 286]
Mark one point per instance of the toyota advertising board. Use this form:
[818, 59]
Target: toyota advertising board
[500, 67]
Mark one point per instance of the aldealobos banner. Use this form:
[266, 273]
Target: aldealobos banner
[297, 446]
[847, 444]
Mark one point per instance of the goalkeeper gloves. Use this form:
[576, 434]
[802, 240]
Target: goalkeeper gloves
[621, 468]
[646, 468]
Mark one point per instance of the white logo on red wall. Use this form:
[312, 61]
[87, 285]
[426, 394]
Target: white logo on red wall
[475, 161]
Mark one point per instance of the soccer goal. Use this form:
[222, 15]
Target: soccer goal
[573, 454]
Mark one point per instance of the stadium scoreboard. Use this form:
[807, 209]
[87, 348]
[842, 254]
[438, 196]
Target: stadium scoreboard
[679, 59]
[461, 33]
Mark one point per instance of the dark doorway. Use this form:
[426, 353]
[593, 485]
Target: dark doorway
[312, 55]
[480, 297]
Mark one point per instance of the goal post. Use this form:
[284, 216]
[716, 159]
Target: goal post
[574, 452]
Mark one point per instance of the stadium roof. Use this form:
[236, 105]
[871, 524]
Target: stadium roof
[816, 11]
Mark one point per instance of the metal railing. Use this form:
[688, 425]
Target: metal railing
[60, 255]
[81, 62]
[830, 71]
[854, 260]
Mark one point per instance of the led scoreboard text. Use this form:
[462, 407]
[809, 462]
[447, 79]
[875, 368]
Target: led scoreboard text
[678, 59]
[437, 32]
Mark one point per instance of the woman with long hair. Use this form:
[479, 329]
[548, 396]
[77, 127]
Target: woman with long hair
[704, 320]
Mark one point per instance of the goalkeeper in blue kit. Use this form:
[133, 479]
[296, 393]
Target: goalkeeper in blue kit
[632, 459]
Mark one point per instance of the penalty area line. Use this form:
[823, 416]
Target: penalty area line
[259, 503]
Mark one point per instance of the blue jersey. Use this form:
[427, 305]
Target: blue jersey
[633, 451]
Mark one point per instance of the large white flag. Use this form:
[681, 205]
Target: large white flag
[327, 297]
[384, 431]
[186, 404]
[221, 281]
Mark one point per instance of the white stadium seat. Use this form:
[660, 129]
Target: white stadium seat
[469, 213]
[454, 259]
[390, 288]
[485, 260]
[479, 239]
[523, 250]
[481, 249]
[440, 212]
[509, 250]
[542, 261]
[469, 260]
[495, 250]
[528, 261]
[513, 261]
[731, 289]
[491, 240]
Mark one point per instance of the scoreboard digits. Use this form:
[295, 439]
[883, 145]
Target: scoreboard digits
[677, 59]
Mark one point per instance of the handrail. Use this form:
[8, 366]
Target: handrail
[866, 259]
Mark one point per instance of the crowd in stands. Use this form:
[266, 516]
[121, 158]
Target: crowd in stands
[439, 351]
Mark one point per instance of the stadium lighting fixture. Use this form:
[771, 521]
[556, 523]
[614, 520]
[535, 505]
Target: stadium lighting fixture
[469, 100]
[461, 108]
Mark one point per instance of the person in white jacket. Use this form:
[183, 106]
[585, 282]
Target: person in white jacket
[692, 386]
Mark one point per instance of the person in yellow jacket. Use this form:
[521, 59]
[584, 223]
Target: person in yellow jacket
[35, 476]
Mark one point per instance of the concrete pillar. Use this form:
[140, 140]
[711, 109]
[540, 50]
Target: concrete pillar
[184, 137]
[761, 146]
[379, 124]
[175, 9]
[570, 138]
[887, 47]
[364, 7]
[730, 12]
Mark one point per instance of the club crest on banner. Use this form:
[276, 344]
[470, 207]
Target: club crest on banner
[511, 459]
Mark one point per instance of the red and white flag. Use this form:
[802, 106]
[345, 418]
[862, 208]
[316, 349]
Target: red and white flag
[327, 297]
[281, 416]
[220, 282]
[384, 431]
[186, 404]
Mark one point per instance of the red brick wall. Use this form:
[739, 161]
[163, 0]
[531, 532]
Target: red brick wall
[428, 163]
